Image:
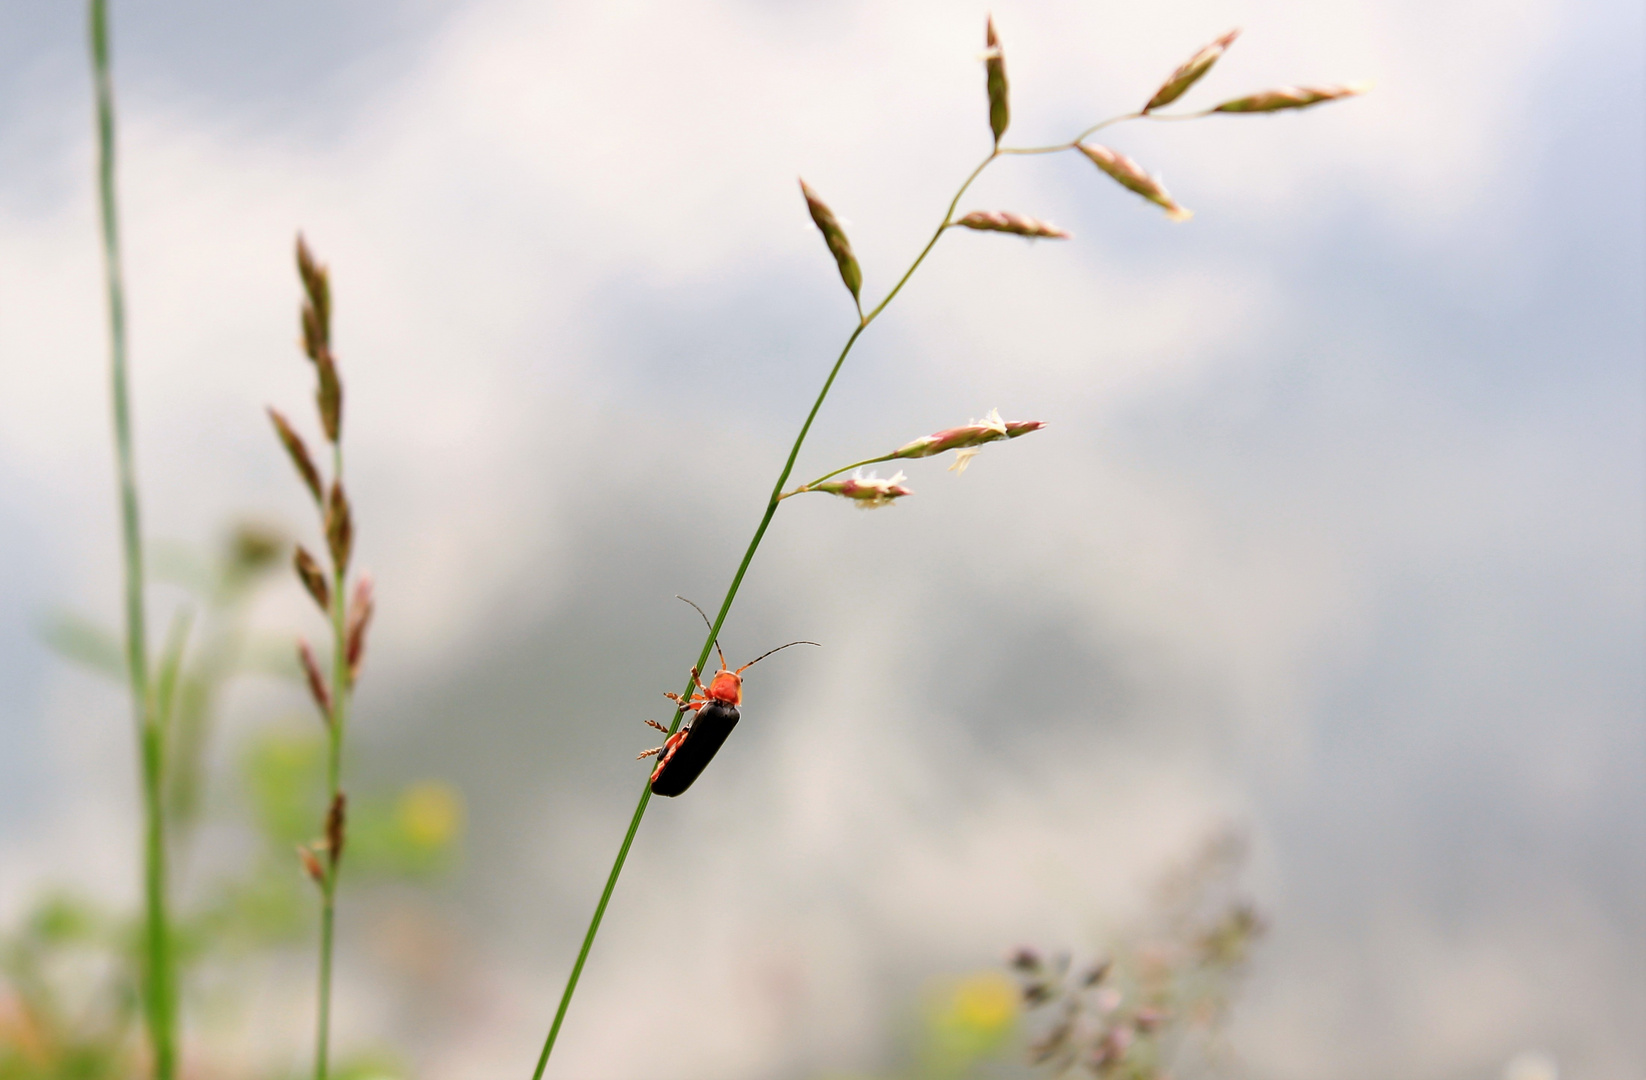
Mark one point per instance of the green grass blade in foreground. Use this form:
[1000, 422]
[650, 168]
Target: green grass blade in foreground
[159, 993]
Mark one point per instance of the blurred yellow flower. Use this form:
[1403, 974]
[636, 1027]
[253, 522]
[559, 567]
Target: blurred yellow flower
[430, 813]
[985, 1002]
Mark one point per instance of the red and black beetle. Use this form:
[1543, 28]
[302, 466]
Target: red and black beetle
[685, 754]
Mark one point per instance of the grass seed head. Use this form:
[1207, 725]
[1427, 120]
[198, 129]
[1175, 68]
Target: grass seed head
[1017, 224]
[966, 440]
[1025, 958]
[1149, 1018]
[317, 290]
[835, 237]
[866, 489]
[317, 682]
[1111, 1049]
[298, 452]
[1178, 83]
[328, 396]
[316, 321]
[1131, 176]
[994, 66]
[359, 617]
[339, 528]
[311, 864]
[313, 578]
[336, 828]
[1291, 97]
[314, 336]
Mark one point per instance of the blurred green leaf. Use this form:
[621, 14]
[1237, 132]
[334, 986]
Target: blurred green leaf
[272, 655]
[83, 642]
[285, 781]
[63, 919]
[371, 1065]
[173, 562]
[171, 664]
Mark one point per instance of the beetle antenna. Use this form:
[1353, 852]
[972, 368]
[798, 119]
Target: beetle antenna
[768, 652]
[710, 625]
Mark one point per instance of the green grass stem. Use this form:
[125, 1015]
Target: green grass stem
[341, 686]
[158, 977]
[777, 497]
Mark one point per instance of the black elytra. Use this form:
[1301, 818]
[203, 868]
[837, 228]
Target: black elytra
[701, 742]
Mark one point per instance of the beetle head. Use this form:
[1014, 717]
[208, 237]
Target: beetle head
[726, 686]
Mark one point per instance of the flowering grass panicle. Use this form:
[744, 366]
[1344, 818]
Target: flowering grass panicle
[1151, 1006]
[348, 613]
[866, 489]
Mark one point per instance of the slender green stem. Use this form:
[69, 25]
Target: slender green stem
[159, 995]
[776, 497]
[829, 475]
[341, 686]
[948, 217]
[1093, 130]
[1181, 116]
[160, 992]
[322, 1027]
[594, 926]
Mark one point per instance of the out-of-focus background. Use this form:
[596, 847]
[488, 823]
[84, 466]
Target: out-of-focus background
[1336, 535]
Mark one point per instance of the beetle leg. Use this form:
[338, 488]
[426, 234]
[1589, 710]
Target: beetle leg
[669, 747]
[648, 753]
[685, 703]
[658, 726]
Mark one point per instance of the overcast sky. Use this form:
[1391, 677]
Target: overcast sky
[1337, 530]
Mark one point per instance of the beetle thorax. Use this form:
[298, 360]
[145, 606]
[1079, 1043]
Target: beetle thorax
[726, 686]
